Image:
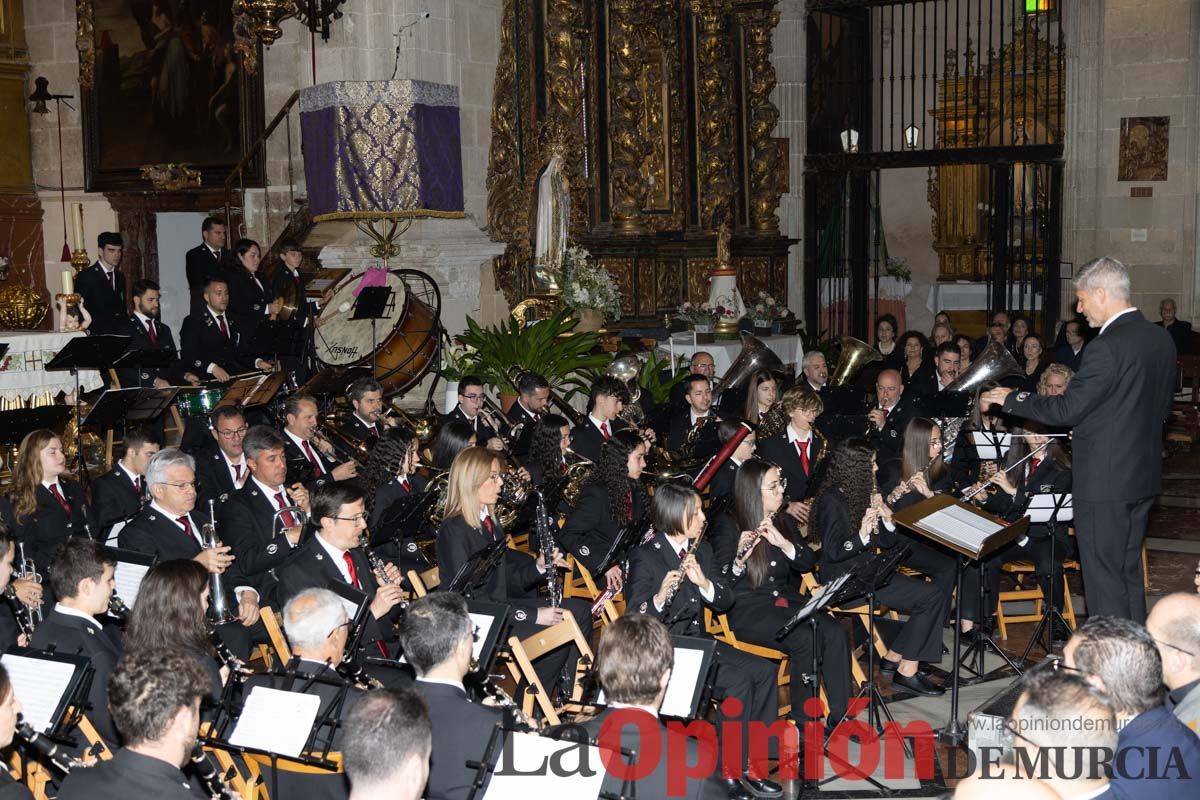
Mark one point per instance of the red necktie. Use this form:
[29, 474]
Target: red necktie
[802, 448]
[152, 333]
[407, 486]
[62, 501]
[491, 527]
[682, 553]
[374, 431]
[137, 485]
[1034, 464]
[885, 413]
[224, 327]
[237, 473]
[187, 526]
[286, 516]
[312, 457]
[112, 280]
[604, 430]
[350, 569]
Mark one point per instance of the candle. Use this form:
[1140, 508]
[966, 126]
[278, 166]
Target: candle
[68, 281]
[77, 225]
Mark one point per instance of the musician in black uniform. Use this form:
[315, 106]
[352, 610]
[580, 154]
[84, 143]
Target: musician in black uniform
[367, 422]
[388, 744]
[26, 593]
[221, 467]
[10, 708]
[764, 568]
[947, 360]
[798, 449]
[391, 479]
[613, 498]
[852, 521]
[548, 445]
[205, 260]
[533, 401]
[721, 484]
[469, 410]
[288, 284]
[762, 392]
[147, 332]
[213, 343]
[47, 504]
[310, 458]
[156, 705]
[251, 296]
[254, 522]
[118, 494]
[692, 432]
[893, 410]
[673, 578]
[81, 577]
[437, 635]
[605, 402]
[102, 285]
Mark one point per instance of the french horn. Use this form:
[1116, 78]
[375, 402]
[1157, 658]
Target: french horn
[855, 355]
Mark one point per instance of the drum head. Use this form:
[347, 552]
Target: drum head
[342, 341]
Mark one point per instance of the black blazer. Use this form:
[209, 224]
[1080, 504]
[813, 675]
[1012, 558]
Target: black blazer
[783, 574]
[11, 790]
[69, 634]
[482, 431]
[281, 278]
[590, 529]
[246, 526]
[1117, 403]
[586, 438]
[301, 470]
[49, 526]
[151, 532]
[461, 731]
[893, 360]
[680, 427]
[216, 482]
[355, 427]
[723, 482]
[127, 775]
[202, 264]
[139, 340]
[778, 450]
[204, 344]
[514, 581]
[1063, 354]
[1181, 335]
[392, 492]
[248, 299]
[524, 438]
[923, 382]
[105, 304]
[841, 547]
[649, 565]
[114, 499]
[889, 441]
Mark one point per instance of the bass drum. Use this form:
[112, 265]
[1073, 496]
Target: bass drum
[406, 339]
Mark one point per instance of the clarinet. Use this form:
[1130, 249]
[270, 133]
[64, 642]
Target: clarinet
[546, 545]
[237, 667]
[214, 784]
[377, 566]
[355, 673]
[21, 612]
[62, 761]
[665, 614]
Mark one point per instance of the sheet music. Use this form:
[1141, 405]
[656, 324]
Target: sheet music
[677, 702]
[40, 685]
[526, 775]
[113, 535]
[823, 591]
[128, 578]
[986, 444]
[483, 625]
[1042, 508]
[961, 527]
[350, 606]
[276, 721]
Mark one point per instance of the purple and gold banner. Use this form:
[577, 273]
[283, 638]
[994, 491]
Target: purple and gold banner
[382, 147]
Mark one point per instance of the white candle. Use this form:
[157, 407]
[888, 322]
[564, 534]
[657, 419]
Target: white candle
[671, 339]
[68, 281]
[77, 224]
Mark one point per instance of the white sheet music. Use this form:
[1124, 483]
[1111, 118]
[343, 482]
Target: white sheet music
[40, 685]
[1041, 508]
[986, 444]
[677, 702]
[128, 578]
[276, 721]
[527, 775]
[350, 606]
[483, 624]
[113, 535]
[961, 527]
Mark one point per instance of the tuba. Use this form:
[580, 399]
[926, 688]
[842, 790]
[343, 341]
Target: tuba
[994, 364]
[855, 355]
[754, 356]
[627, 369]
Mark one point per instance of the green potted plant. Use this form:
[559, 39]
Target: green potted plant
[589, 290]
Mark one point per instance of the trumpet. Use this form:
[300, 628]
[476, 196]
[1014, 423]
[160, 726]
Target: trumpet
[28, 617]
[218, 601]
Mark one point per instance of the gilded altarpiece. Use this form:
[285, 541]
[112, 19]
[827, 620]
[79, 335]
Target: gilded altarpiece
[665, 113]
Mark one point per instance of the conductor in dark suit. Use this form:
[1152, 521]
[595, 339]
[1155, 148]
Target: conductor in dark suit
[102, 285]
[1117, 403]
[118, 494]
[205, 260]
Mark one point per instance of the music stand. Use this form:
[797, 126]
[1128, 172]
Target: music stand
[139, 404]
[357, 604]
[53, 687]
[86, 352]
[972, 534]
[493, 620]
[373, 303]
[473, 574]
[17, 422]
[144, 359]
[1050, 509]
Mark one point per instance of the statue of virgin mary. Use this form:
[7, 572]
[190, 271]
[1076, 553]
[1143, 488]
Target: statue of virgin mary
[553, 219]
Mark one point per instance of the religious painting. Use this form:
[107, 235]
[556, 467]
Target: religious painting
[1143, 153]
[164, 82]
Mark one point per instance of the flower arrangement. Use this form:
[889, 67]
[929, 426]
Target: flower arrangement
[698, 314]
[586, 285]
[898, 268]
[458, 361]
[766, 310]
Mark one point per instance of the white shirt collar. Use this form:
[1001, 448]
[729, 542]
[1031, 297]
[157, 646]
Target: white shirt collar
[443, 682]
[174, 519]
[812, 385]
[210, 249]
[693, 416]
[215, 314]
[299, 442]
[1120, 313]
[677, 542]
[598, 423]
[241, 462]
[144, 319]
[469, 418]
[132, 478]
[736, 461]
[73, 612]
[793, 437]
[526, 411]
[268, 491]
[54, 483]
[647, 709]
[336, 553]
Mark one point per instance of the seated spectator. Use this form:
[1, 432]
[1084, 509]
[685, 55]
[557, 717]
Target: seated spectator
[1181, 332]
[1174, 623]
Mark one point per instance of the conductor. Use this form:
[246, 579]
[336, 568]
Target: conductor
[1117, 403]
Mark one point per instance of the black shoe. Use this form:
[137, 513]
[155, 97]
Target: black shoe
[887, 667]
[918, 684]
[761, 787]
[736, 790]
[1060, 635]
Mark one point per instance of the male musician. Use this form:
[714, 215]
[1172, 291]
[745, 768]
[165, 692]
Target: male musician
[533, 400]
[722, 483]
[1070, 352]
[470, 404]
[146, 332]
[946, 360]
[310, 459]
[155, 700]
[288, 282]
[81, 577]
[212, 342]
[605, 403]
[260, 540]
[387, 749]
[695, 417]
[367, 421]
[437, 635]
[102, 286]
[169, 528]
[701, 364]
[797, 449]
[317, 627]
[816, 371]
[204, 261]
[891, 415]
[333, 554]
[1117, 403]
[118, 494]
[221, 467]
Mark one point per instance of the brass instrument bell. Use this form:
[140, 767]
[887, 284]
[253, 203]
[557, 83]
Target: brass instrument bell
[855, 355]
[754, 356]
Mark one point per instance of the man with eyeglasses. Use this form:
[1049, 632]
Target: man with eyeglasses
[470, 404]
[1174, 622]
[221, 467]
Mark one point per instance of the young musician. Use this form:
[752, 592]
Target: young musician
[437, 635]
[387, 747]
[367, 422]
[852, 521]
[205, 260]
[798, 449]
[221, 467]
[251, 297]
[310, 458]
[452, 438]
[47, 504]
[102, 285]
[762, 393]
[764, 568]
[548, 446]
[156, 705]
[721, 484]
[287, 280]
[605, 403]
[118, 494]
[214, 345]
[612, 499]
[81, 577]
[673, 578]
[391, 478]
[468, 410]
[10, 710]
[533, 401]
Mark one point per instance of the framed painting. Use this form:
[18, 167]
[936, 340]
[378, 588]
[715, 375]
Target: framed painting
[166, 82]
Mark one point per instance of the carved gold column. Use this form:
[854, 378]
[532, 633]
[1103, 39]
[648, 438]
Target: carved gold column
[507, 184]
[625, 102]
[715, 111]
[758, 24]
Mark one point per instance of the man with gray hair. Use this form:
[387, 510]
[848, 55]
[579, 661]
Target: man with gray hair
[1174, 623]
[1117, 404]
[816, 371]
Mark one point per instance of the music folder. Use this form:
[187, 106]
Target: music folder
[960, 526]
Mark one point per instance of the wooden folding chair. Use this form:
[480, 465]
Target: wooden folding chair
[809, 581]
[233, 777]
[257, 765]
[718, 626]
[424, 582]
[579, 583]
[274, 625]
[1021, 568]
[523, 653]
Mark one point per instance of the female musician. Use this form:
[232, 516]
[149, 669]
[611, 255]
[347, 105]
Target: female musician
[965, 343]
[10, 709]
[392, 477]
[917, 362]
[1033, 360]
[171, 613]
[48, 506]
[251, 296]
[852, 521]
[762, 391]
[612, 499]
[548, 445]
[885, 342]
[764, 568]
[798, 449]
[722, 483]
[452, 438]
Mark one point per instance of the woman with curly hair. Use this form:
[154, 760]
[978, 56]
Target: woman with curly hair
[48, 507]
[391, 477]
[852, 521]
[612, 499]
[918, 363]
[548, 445]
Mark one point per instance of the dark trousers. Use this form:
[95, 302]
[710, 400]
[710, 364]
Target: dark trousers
[1049, 574]
[938, 565]
[920, 638]
[752, 680]
[1110, 536]
[557, 665]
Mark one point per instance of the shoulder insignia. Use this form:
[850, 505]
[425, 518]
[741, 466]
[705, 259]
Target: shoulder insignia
[224, 497]
[642, 608]
[153, 518]
[585, 551]
[893, 432]
[411, 547]
[254, 492]
[1046, 488]
[657, 546]
[520, 615]
[320, 557]
[848, 545]
[90, 631]
[1022, 397]
[272, 549]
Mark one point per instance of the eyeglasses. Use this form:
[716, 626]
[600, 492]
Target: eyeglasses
[345, 624]
[193, 485]
[233, 434]
[496, 476]
[356, 518]
[781, 485]
[1175, 646]
[473, 396]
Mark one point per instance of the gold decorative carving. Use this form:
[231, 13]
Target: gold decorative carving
[765, 189]
[714, 100]
[170, 177]
[754, 276]
[628, 149]
[564, 101]
[22, 308]
[622, 271]
[667, 292]
[698, 272]
[85, 43]
[244, 42]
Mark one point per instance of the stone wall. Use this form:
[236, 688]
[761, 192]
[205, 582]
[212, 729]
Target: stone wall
[788, 56]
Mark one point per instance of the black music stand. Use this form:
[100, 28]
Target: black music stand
[145, 359]
[139, 404]
[373, 303]
[70, 705]
[1058, 504]
[17, 422]
[478, 568]
[86, 352]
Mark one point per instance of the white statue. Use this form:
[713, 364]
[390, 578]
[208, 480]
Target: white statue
[553, 221]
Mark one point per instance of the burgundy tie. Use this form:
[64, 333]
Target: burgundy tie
[491, 527]
[237, 473]
[312, 457]
[62, 501]
[152, 333]
[1034, 463]
[604, 430]
[187, 526]
[682, 553]
[374, 431]
[802, 447]
[112, 280]
[286, 516]
[137, 485]
[350, 569]
[224, 327]
[407, 486]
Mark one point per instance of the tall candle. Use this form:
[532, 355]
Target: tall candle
[68, 281]
[77, 224]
